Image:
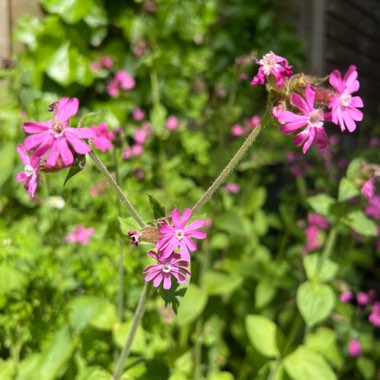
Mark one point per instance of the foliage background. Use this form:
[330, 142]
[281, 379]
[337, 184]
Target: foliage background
[61, 312]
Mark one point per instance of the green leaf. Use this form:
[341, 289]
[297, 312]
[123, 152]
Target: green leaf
[70, 10]
[217, 283]
[264, 293]
[157, 208]
[313, 270]
[7, 156]
[323, 341]
[264, 335]
[221, 376]
[128, 224]
[88, 309]
[60, 66]
[354, 168]
[366, 367]
[315, 301]
[305, 364]
[321, 204]
[56, 354]
[120, 335]
[8, 369]
[76, 167]
[192, 305]
[360, 223]
[347, 190]
[172, 296]
[11, 280]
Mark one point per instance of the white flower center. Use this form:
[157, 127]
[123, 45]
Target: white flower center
[166, 268]
[57, 128]
[345, 100]
[179, 234]
[28, 170]
[268, 62]
[316, 117]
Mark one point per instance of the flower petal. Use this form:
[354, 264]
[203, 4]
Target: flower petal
[67, 156]
[66, 108]
[36, 127]
[23, 155]
[33, 140]
[21, 177]
[78, 145]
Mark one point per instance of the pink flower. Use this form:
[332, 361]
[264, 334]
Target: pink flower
[94, 66]
[254, 122]
[138, 114]
[368, 189]
[344, 106]
[313, 238]
[140, 135]
[80, 235]
[354, 348]
[122, 80]
[362, 298]
[179, 235]
[346, 297]
[312, 119]
[237, 130]
[106, 61]
[172, 123]
[52, 137]
[272, 64]
[318, 220]
[125, 80]
[133, 151]
[165, 268]
[232, 188]
[103, 138]
[373, 207]
[30, 173]
[374, 317]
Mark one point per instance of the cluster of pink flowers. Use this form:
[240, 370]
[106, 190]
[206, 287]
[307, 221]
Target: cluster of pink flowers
[140, 137]
[174, 243]
[310, 116]
[52, 144]
[102, 137]
[313, 231]
[122, 80]
[365, 299]
[80, 235]
[238, 130]
[104, 62]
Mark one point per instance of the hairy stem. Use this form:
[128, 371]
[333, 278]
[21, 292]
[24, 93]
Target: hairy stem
[132, 332]
[231, 165]
[115, 187]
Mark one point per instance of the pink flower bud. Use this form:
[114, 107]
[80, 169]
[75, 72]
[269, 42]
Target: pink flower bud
[237, 130]
[354, 348]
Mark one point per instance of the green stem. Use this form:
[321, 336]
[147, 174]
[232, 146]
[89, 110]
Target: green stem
[115, 187]
[231, 165]
[132, 332]
[154, 88]
[330, 242]
[274, 370]
[121, 271]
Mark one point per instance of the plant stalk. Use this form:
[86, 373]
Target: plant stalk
[231, 165]
[115, 187]
[132, 332]
[330, 242]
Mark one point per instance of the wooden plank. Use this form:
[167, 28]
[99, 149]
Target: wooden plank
[5, 41]
[370, 7]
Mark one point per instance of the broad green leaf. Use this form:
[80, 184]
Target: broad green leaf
[264, 293]
[315, 272]
[305, 364]
[70, 10]
[89, 309]
[192, 305]
[11, 280]
[360, 223]
[217, 283]
[157, 208]
[315, 301]
[354, 168]
[221, 376]
[60, 68]
[347, 190]
[323, 341]
[93, 373]
[120, 334]
[264, 335]
[366, 367]
[128, 224]
[56, 354]
[321, 204]
[27, 31]
[7, 369]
